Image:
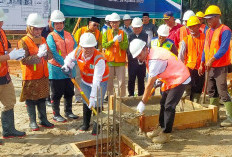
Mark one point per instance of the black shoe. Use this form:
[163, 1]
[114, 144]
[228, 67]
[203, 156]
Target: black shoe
[106, 100]
[95, 131]
[84, 128]
[71, 116]
[47, 124]
[59, 118]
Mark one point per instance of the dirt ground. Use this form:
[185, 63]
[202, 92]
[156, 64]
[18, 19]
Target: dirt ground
[212, 140]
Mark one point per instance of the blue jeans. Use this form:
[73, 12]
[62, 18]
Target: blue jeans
[87, 90]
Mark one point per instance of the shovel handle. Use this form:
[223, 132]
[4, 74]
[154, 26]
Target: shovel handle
[83, 94]
[206, 84]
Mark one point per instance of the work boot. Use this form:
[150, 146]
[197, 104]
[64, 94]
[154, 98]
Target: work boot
[86, 118]
[43, 116]
[56, 112]
[32, 116]
[68, 109]
[8, 126]
[95, 131]
[228, 121]
[162, 138]
[155, 132]
[196, 97]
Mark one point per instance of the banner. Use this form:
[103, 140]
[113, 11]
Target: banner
[101, 8]
[17, 11]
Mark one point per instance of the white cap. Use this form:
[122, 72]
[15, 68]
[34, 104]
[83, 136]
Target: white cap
[136, 47]
[2, 15]
[137, 22]
[114, 17]
[178, 21]
[107, 18]
[163, 30]
[188, 14]
[126, 17]
[35, 20]
[57, 16]
[88, 40]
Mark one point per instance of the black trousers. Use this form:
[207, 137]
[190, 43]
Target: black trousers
[217, 84]
[136, 71]
[168, 103]
[197, 82]
[61, 87]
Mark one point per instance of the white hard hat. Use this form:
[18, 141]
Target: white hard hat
[136, 46]
[57, 16]
[114, 17]
[88, 40]
[35, 20]
[107, 18]
[178, 21]
[2, 15]
[137, 22]
[163, 30]
[188, 14]
[126, 17]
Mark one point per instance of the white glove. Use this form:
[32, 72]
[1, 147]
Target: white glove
[115, 38]
[141, 107]
[42, 50]
[71, 65]
[92, 102]
[17, 54]
[120, 38]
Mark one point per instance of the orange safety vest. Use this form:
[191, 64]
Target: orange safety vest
[183, 33]
[34, 71]
[115, 53]
[211, 47]
[63, 46]
[96, 33]
[195, 48]
[202, 28]
[175, 73]
[3, 48]
[87, 67]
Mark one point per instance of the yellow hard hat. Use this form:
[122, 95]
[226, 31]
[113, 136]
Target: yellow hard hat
[200, 14]
[213, 9]
[193, 20]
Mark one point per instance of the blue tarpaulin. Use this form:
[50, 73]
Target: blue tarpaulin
[101, 8]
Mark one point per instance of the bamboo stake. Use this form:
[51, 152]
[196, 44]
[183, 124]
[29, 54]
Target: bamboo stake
[76, 26]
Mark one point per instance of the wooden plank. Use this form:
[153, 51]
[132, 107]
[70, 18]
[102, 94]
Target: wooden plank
[76, 149]
[89, 143]
[215, 113]
[183, 120]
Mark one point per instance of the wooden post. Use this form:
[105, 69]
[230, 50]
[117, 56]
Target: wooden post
[153, 21]
[76, 26]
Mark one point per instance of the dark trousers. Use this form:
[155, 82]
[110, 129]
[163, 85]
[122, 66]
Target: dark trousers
[61, 87]
[217, 84]
[197, 82]
[168, 102]
[139, 71]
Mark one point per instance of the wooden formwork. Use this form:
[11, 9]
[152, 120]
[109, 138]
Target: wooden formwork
[199, 116]
[140, 152]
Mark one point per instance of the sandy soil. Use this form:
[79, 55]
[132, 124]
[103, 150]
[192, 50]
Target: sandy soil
[208, 141]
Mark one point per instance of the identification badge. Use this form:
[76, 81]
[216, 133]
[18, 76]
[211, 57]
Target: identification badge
[91, 66]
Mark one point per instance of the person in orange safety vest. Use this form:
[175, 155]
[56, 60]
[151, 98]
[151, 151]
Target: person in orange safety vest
[191, 49]
[165, 66]
[94, 75]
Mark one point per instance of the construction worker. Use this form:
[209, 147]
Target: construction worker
[7, 93]
[183, 31]
[163, 65]
[106, 25]
[191, 49]
[94, 75]
[92, 27]
[173, 26]
[61, 43]
[149, 28]
[216, 58]
[135, 68]
[127, 24]
[35, 83]
[163, 41]
[116, 43]
[201, 16]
